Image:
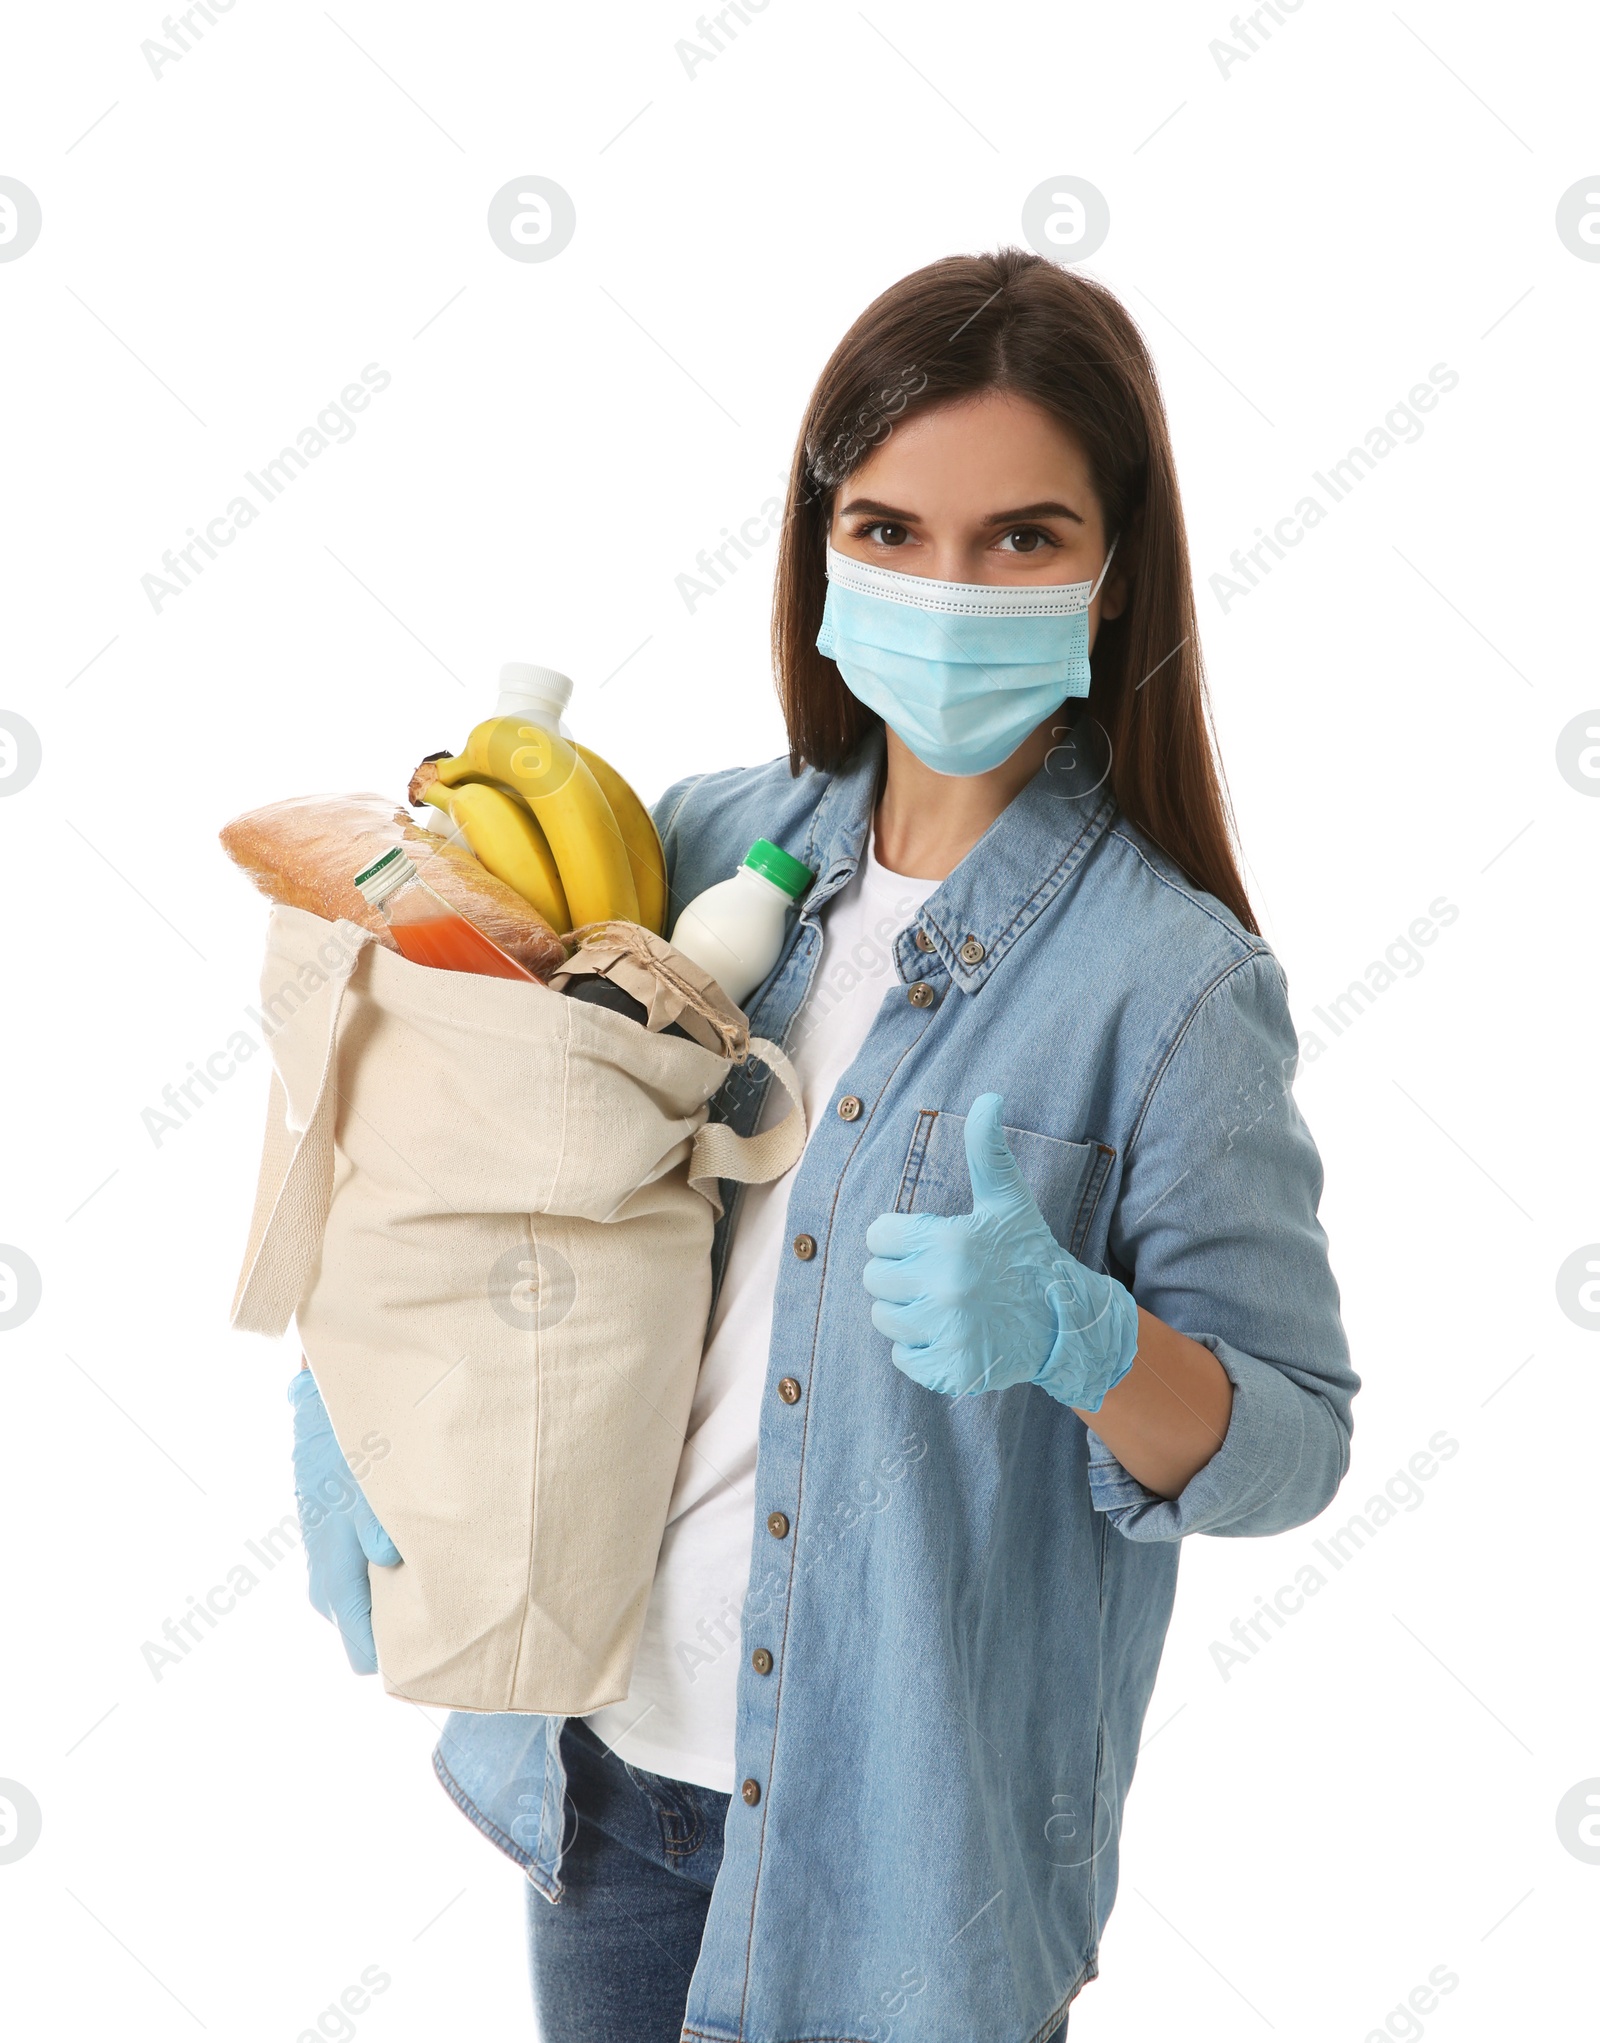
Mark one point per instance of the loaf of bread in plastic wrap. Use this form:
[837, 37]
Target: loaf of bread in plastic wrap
[306, 853]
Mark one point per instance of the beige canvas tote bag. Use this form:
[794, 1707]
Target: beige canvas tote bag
[489, 1208]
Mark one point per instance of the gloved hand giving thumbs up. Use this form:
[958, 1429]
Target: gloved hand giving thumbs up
[990, 1298]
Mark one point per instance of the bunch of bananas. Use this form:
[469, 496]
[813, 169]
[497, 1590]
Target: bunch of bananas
[553, 820]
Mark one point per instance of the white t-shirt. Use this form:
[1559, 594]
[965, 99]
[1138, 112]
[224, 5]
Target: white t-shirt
[678, 1718]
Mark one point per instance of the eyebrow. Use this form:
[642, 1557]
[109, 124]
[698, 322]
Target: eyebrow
[1049, 508]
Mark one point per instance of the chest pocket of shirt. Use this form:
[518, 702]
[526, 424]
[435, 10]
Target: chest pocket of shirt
[1066, 1178]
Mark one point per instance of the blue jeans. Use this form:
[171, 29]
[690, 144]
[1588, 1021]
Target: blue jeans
[611, 1960]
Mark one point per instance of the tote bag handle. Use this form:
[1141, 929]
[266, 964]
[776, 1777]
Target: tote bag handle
[296, 1182]
[752, 1159]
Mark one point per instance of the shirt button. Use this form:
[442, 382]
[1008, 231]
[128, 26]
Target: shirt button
[920, 995]
[805, 1247]
[789, 1390]
[972, 952]
[761, 1660]
[922, 940]
[849, 1108]
[778, 1525]
[751, 1792]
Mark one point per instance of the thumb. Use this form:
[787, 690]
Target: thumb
[376, 1544]
[997, 1183]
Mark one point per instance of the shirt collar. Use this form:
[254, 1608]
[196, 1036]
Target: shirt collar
[998, 891]
[840, 822]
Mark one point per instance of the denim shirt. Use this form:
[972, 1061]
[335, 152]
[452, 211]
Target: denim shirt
[967, 1609]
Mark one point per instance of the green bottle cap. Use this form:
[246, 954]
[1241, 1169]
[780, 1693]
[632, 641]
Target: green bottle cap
[774, 863]
[378, 865]
[385, 876]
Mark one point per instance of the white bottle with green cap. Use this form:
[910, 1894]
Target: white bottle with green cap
[735, 929]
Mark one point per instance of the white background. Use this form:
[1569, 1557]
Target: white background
[1373, 1795]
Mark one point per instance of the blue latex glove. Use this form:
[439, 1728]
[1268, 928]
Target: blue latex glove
[341, 1532]
[989, 1298]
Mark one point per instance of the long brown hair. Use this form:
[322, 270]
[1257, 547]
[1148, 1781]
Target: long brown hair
[1017, 322]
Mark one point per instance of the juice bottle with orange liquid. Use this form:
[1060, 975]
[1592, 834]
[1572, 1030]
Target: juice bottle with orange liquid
[425, 927]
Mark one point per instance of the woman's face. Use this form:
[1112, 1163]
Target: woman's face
[989, 489]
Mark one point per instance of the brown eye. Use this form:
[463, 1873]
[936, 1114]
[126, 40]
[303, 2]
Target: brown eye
[887, 535]
[1025, 540]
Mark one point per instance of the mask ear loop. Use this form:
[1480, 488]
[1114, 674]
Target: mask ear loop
[1105, 568]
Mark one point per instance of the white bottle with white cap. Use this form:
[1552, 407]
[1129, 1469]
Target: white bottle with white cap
[538, 693]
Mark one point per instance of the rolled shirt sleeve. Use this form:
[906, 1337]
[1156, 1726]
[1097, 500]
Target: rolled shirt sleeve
[1217, 1220]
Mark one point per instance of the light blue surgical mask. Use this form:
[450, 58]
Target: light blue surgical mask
[960, 671]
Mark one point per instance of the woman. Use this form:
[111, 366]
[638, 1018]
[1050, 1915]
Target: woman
[1047, 1289]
